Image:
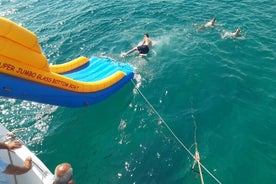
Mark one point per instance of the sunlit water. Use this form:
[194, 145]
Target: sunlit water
[224, 85]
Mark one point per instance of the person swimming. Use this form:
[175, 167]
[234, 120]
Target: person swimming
[232, 34]
[202, 27]
[143, 49]
[211, 23]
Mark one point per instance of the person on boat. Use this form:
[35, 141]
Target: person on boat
[63, 174]
[143, 49]
[10, 168]
[211, 23]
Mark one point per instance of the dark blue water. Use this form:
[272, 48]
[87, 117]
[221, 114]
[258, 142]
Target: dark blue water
[225, 86]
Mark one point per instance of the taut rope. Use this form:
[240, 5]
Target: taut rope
[174, 135]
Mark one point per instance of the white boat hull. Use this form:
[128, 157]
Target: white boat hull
[39, 174]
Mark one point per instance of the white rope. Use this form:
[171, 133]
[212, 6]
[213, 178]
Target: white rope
[11, 161]
[170, 130]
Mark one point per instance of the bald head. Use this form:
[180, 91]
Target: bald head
[63, 173]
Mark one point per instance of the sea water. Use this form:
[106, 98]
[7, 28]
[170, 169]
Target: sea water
[193, 78]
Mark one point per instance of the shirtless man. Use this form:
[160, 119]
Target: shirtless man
[142, 49]
[211, 23]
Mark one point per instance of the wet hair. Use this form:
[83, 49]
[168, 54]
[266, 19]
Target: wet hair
[146, 34]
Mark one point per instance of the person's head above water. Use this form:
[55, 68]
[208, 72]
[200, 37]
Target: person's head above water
[211, 22]
[238, 31]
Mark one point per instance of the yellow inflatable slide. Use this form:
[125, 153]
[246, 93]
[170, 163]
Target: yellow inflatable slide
[26, 74]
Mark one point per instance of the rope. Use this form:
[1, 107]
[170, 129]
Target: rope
[10, 137]
[11, 161]
[170, 130]
[197, 156]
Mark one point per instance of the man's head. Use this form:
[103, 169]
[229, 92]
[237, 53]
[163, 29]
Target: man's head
[213, 20]
[146, 34]
[238, 30]
[63, 173]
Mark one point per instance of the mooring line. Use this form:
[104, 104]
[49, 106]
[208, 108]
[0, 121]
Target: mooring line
[174, 135]
[197, 155]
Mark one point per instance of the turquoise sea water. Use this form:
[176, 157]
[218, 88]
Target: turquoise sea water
[227, 85]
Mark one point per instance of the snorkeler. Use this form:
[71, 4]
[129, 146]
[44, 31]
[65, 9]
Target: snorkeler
[143, 49]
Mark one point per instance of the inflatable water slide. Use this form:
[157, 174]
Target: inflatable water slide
[26, 74]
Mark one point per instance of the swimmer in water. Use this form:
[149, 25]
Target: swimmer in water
[142, 49]
[232, 34]
[211, 23]
[237, 32]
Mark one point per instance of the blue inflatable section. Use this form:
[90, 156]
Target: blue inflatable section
[97, 69]
[94, 70]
